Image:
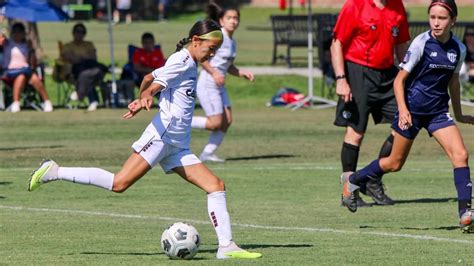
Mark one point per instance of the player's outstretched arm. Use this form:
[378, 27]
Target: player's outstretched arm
[147, 90]
[455, 93]
[219, 79]
[233, 70]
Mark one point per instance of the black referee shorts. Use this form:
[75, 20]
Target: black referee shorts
[372, 93]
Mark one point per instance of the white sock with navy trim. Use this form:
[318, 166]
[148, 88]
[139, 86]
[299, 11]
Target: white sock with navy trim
[87, 176]
[215, 140]
[217, 209]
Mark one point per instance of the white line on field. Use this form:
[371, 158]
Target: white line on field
[269, 168]
[256, 226]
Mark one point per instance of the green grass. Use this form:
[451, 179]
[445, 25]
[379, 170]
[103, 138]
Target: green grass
[282, 173]
[254, 47]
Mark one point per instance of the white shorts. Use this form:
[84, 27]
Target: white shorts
[213, 99]
[154, 150]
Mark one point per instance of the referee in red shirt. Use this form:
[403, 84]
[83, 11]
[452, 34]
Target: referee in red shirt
[366, 36]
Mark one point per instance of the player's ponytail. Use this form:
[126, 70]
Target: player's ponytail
[181, 44]
[449, 5]
[216, 12]
[200, 28]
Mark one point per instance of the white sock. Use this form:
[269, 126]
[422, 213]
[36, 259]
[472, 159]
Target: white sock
[199, 122]
[215, 140]
[87, 176]
[217, 208]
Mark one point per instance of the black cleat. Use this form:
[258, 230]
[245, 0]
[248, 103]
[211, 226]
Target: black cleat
[361, 203]
[375, 189]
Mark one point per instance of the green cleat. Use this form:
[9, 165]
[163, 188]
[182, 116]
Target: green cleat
[232, 251]
[47, 171]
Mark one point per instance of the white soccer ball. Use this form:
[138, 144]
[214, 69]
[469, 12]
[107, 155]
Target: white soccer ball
[180, 241]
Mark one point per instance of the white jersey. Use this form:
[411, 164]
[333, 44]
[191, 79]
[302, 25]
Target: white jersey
[223, 58]
[178, 78]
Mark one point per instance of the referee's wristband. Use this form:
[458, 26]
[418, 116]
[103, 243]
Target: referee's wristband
[340, 77]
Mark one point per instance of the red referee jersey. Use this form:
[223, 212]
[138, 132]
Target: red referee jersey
[368, 34]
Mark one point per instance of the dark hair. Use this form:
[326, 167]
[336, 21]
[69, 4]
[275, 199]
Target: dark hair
[449, 5]
[79, 27]
[18, 27]
[216, 12]
[147, 36]
[199, 28]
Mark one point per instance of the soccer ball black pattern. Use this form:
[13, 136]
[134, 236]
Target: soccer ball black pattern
[180, 241]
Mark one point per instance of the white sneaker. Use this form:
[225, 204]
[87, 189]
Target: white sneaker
[47, 106]
[74, 96]
[92, 106]
[15, 107]
[210, 157]
[232, 251]
[48, 171]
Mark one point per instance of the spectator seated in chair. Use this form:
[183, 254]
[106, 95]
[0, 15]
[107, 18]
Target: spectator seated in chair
[141, 62]
[18, 59]
[469, 42]
[85, 69]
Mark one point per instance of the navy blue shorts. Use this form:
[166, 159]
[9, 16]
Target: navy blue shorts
[430, 122]
[12, 73]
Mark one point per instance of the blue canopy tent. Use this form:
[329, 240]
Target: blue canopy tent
[42, 10]
[33, 10]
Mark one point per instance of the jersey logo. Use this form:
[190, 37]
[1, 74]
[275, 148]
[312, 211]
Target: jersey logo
[191, 93]
[186, 59]
[395, 31]
[452, 55]
[407, 57]
[434, 54]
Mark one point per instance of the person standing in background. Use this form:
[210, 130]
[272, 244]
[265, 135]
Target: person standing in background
[366, 36]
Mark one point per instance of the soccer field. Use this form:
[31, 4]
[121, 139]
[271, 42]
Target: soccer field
[282, 182]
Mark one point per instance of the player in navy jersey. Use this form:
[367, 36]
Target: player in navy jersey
[166, 139]
[430, 67]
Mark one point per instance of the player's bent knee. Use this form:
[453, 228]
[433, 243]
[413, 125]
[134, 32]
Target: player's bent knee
[353, 137]
[120, 184]
[217, 186]
[214, 126]
[460, 157]
[395, 166]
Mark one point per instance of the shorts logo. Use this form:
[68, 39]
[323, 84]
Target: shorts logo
[395, 31]
[147, 146]
[346, 114]
[452, 55]
[448, 115]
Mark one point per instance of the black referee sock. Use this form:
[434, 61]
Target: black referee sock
[386, 147]
[349, 157]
